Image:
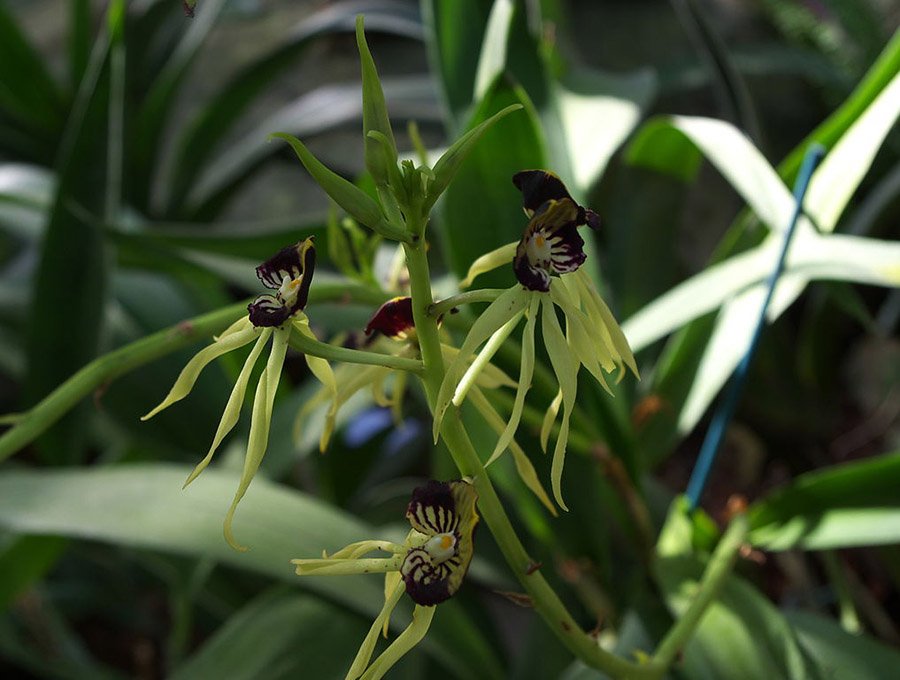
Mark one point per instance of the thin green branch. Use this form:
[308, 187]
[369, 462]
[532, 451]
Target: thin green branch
[306, 345]
[447, 304]
[711, 583]
[103, 370]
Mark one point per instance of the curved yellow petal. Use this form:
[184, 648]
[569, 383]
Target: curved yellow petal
[189, 374]
[489, 261]
[233, 408]
[259, 426]
[526, 370]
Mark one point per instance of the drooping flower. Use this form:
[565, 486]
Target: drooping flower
[429, 566]
[270, 317]
[547, 264]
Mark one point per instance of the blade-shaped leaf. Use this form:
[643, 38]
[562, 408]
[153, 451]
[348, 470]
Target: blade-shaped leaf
[144, 506]
[69, 289]
[205, 133]
[841, 506]
[597, 112]
[323, 109]
[837, 653]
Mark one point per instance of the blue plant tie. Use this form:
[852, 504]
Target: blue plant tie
[727, 406]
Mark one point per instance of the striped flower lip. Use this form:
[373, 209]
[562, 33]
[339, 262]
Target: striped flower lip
[444, 513]
[551, 244]
[289, 273]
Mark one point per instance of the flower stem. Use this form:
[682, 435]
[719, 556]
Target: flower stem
[103, 370]
[545, 601]
[307, 345]
[447, 304]
[710, 584]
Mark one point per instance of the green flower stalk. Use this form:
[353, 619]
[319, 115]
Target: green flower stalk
[547, 263]
[429, 566]
[271, 317]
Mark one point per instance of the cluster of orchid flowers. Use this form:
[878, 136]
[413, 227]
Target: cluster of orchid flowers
[430, 565]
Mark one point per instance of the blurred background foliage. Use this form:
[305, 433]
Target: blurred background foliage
[137, 190]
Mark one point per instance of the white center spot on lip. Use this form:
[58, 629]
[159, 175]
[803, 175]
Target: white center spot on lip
[537, 247]
[441, 547]
[288, 290]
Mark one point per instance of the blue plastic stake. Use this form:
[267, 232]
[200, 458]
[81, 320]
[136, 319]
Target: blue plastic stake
[723, 414]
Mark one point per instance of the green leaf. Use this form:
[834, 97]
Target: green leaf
[29, 95]
[280, 634]
[204, 134]
[454, 32]
[321, 110]
[843, 169]
[597, 112]
[79, 39]
[69, 289]
[741, 634]
[26, 193]
[492, 60]
[152, 117]
[482, 210]
[811, 256]
[144, 506]
[839, 655]
[25, 560]
[448, 165]
[841, 506]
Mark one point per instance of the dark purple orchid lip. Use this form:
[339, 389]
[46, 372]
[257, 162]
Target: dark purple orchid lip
[540, 186]
[550, 246]
[289, 272]
[445, 512]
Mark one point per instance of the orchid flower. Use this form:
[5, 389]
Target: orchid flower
[274, 316]
[547, 264]
[429, 566]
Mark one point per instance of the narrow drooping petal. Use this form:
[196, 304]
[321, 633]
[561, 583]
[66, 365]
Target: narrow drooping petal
[444, 513]
[325, 375]
[361, 661]
[501, 310]
[470, 377]
[567, 373]
[289, 272]
[235, 400]
[490, 376]
[409, 638]
[500, 257]
[526, 370]
[523, 464]
[551, 245]
[539, 186]
[549, 419]
[237, 338]
[600, 314]
[260, 421]
[393, 319]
